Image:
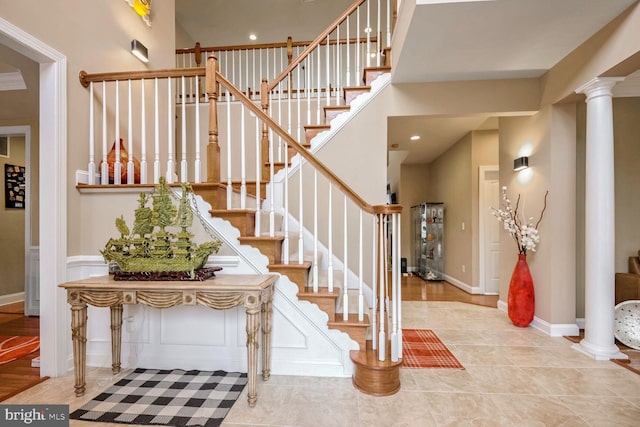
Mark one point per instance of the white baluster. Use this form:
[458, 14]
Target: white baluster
[378, 36]
[357, 49]
[300, 212]
[389, 12]
[117, 166]
[272, 211]
[315, 230]
[170, 160]
[348, 76]
[104, 166]
[345, 273]
[243, 160]
[395, 261]
[156, 161]
[360, 273]
[91, 167]
[338, 66]
[183, 162]
[398, 295]
[197, 164]
[229, 181]
[318, 85]
[328, 70]
[285, 242]
[374, 283]
[368, 31]
[143, 136]
[382, 347]
[130, 175]
[258, 224]
[330, 240]
[299, 121]
[280, 120]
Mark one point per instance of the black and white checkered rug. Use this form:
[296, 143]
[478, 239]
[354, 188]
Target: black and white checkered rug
[166, 397]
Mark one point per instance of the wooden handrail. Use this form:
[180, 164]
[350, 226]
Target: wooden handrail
[352, 40]
[315, 43]
[333, 178]
[86, 78]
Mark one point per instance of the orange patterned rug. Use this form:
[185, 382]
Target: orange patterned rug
[421, 348]
[12, 348]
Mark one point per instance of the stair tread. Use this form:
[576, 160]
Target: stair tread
[304, 265]
[363, 88]
[352, 320]
[322, 293]
[232, 211]
[317, 126]
[337, 107]
[264, 238]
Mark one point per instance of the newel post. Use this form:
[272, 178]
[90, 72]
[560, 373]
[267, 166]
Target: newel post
[213, 148]
[264, 145]
[290, 58]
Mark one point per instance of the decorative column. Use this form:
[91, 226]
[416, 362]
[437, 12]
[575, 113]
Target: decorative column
[599, 341]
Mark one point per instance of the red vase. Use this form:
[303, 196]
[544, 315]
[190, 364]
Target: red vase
[521, 299]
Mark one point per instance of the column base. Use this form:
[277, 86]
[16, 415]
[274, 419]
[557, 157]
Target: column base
[599, 352]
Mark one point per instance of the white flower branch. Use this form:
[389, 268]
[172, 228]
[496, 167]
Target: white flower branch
[523, 231]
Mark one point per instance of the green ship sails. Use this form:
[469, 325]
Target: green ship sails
[152, 246]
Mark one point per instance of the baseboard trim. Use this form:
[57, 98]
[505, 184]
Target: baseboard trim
[11, 298]
[551, 329]
[474, 290]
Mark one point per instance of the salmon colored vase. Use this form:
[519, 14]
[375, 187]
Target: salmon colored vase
[522, 303]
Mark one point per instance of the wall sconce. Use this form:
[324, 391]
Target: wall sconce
[139, 51]
[520, 163]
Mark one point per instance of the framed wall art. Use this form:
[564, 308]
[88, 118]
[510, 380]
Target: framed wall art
[14, 186]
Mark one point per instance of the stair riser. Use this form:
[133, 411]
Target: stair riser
[327, 305]
[299, 276]
[271, 249]
[357, 333]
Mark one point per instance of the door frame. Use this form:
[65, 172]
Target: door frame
[25, 131]
[483, 211]
[52, 137]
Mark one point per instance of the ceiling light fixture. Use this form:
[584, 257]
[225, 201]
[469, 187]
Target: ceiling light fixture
[253, 37]
[139, 51]
[415, 137]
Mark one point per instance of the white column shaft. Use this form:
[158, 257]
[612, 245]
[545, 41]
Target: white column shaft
[599, 340]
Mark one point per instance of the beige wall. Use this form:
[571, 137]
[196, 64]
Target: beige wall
[413, 189]
[451, 184]
[12, 248]
[453, 179]
[484, 152]
[96, 40]
[548, 137]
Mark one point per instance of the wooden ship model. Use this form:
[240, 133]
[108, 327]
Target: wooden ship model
[152, 249]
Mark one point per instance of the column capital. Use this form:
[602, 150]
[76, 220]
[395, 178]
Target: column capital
[599, 86]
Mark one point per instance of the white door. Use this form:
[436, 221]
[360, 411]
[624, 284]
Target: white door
[490, 231]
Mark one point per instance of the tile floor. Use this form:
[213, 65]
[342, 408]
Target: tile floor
[512, 377]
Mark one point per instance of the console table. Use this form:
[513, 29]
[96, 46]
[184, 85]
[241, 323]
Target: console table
[254, 292]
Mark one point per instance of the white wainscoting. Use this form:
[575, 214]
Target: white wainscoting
[201, 338]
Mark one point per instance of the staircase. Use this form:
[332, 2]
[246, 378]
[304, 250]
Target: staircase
[326, 297]
[309, 225]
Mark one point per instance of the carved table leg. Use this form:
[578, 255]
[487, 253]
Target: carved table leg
[267, 311]
[253, 324]
[116, 337]
[79, 337]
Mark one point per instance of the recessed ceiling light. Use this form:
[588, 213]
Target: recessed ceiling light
[253, 37]
[367, 30]
[415, 137]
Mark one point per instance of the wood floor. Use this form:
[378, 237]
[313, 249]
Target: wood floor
[19, 375]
